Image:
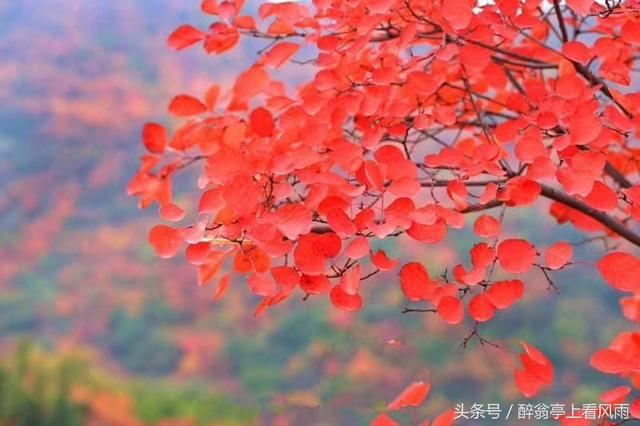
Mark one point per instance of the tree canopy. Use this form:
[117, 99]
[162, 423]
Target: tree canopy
[414, 118]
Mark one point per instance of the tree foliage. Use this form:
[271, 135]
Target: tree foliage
[414, 119]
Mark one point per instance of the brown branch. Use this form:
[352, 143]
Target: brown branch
[617, 175]
[408, 310]
[563, 28]
[609, 222]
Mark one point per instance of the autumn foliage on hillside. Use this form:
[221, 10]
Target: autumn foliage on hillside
[416, 119]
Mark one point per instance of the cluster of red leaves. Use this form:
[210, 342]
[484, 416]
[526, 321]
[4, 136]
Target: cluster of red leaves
[415, 115]
[622, 358]
[514, 255]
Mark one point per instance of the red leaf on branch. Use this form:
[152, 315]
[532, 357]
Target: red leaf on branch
[185, 36]
[186, 106]
[280, 54]
[451, 309]
[503, 294]
[558, 255]
[415, 282]
[481, 308]
[516, 256]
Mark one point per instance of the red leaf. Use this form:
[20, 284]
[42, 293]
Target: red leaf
[558, 255]
[154, 137]
[581, 7]
[241, 194]
[621, 271]
[379, 6]
[262, 285]
[577, 51]
[602, 197]
[261, 122]
[306, 258]
[294, 220]
[171, 212]
[285, 276]
[209, 6]
[186, 106]
[487, 227]
[481, 309]
[345, 301]
[327, 245]
[196, 254]
[616, 395]
[185, 36]
[428, 234]
[537, 372]
[165, 240]
[457, 13]
[383, 262]
[609, 361]
[415, 282]
[503, 294]
[280, 54]
[634, 409]
[445, 419]
[222, 287]
[358, 248]
[248, 84]
[350, 281]
[457, 192]
[384, 420]
[516, 256]
[412, 396]
[316, 284]
[211, 97]
[451, 309]
[252, 259]
[631, 308]
[341, 223]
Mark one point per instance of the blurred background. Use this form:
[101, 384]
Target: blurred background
[95, 330]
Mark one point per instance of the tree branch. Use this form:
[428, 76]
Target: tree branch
[609, 222]
[563, 28]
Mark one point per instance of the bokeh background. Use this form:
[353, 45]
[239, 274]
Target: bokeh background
[95, 330]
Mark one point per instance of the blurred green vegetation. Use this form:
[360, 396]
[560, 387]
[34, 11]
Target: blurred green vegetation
[41, 388]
